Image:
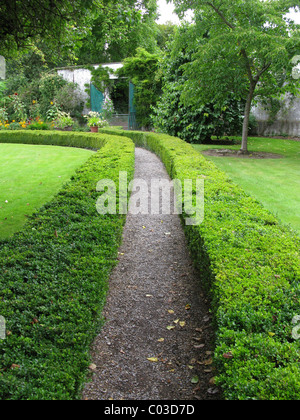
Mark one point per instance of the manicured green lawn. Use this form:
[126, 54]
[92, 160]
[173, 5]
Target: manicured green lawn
[274, 182]
[29, 177]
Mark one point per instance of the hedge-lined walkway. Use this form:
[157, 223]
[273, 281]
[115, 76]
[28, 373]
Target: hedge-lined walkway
[155, 343]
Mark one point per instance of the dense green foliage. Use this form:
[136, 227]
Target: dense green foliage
[26, 98]
[144, 72]
[249, 264]
[118, 29]
[54, 275]
[192, 123]
[50, 20]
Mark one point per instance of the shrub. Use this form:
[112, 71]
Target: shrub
[95, 119]
[193, 123]
[63, 120]
[38, 125]
[249, 265]
[49, 86]
[54, 274]
[70, 100]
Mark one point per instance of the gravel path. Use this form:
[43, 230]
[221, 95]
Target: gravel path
[155, 344]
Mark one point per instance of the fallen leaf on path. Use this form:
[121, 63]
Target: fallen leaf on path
[195, 380]
[212, 391]
[160, 340]
[152, 359]
[199, 346]
[170, 327]
[176, 321]
[171, 311]
[182, 323]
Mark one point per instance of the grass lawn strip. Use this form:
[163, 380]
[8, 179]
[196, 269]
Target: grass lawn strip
[29, 177]
[274, 182]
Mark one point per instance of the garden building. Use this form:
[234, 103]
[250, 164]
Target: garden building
[120, 91]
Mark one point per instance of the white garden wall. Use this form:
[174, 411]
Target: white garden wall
[83, 76]
[287, 120]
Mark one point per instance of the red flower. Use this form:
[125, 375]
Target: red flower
[16, 94]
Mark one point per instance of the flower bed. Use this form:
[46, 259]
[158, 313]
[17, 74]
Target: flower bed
[250, 266]
[54, 275]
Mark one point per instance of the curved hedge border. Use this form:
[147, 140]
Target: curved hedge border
[250, 265]
[54, 274]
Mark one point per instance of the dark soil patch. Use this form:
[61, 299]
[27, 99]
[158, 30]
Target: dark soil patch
[235, 153]
[157, 341]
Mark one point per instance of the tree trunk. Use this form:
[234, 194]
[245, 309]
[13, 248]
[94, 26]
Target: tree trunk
[244, 147]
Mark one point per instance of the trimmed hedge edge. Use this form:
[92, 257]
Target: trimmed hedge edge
[54, 275]
[250, 266]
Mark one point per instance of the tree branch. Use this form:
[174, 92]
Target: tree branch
[261, 72]
[230, 25]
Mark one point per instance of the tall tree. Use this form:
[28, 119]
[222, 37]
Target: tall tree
[247, 50]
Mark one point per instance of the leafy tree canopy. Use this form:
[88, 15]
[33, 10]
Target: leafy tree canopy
[24, 20]
[77, 31]
[118, 30]
[243, 47]
[193, 123]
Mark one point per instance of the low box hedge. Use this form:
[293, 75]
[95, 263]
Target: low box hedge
[54, 272]
[250, 266]
[54, 275]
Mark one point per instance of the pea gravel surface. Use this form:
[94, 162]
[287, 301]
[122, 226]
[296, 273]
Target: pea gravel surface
[156, 342]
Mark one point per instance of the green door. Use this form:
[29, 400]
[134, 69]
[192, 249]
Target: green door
[132, 124]
[97, 99]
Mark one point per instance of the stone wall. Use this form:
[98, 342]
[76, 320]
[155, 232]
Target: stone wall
[287, 120]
